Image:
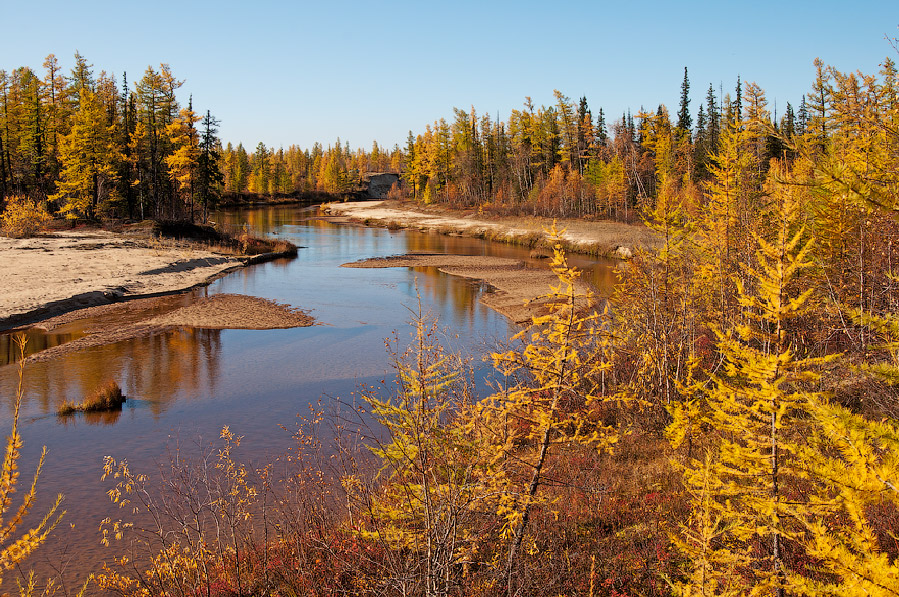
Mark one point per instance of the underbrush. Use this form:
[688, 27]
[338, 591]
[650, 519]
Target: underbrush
[23, 217]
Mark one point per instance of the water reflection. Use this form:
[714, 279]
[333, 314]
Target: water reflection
[157, 369]
[37, 341]
[106, 417]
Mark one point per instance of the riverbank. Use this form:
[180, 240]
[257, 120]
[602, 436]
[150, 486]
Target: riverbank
[598, 238]
[519, 292]
[148, 316]
[64, 271]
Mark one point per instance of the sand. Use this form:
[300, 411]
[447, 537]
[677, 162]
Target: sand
[148, 316]
[62, 271]
[601, 238]
[517, 292]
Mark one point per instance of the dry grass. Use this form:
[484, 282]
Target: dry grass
[107, 397]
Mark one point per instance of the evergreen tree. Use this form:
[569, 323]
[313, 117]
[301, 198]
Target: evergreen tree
[737, 106]
[209, 174]
[602, 131]
[802, 118]
[684, 120]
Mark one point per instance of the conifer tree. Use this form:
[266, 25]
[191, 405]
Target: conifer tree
[90, 157]
[684, 119]
[436, 477]
[209, 174]
[182, 163]
[754, 406]
[558, 368]
[602, 131]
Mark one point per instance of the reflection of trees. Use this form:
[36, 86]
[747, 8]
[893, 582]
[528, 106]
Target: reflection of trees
[37, 341]
[262, 220]
[109, 417]
[451, 294]
[157, 368]
[183, 361]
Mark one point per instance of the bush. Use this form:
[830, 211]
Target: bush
[24, 217]
[107, 397]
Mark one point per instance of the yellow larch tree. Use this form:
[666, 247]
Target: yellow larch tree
[14, 549]
[183, 162]
[90, 158]
[753, 409]
[435, 480]
[555, 381]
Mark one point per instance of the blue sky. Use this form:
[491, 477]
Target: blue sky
[298, 72]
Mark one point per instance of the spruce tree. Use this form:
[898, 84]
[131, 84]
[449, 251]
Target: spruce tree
[209, 175]
[602, 131]
[684, 120]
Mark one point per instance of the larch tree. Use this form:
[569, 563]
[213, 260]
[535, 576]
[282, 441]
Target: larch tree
[555, 372]
[183, 162]
[89, 156]
[756, 404]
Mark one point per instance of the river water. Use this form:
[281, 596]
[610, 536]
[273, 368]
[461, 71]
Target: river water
[183, 386]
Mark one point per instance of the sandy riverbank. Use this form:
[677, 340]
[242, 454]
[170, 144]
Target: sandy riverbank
[63, 271]
[147, 316]
[600, 238]
[519, 292]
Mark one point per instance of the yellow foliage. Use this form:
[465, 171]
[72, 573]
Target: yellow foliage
[556, 371]
[24, 217]
[750, 404]
[15, 549]
[196, 539]
[436, 479]
[855, 464]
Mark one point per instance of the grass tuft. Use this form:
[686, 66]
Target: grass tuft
[107, 397]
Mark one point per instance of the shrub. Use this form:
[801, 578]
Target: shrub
[23, 217]
[106, 397]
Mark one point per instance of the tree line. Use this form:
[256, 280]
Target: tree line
[562, 161]
[92, 146]
[726, 427]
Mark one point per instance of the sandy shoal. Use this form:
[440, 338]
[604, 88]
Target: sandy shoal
[601, 237]
[147, 316]
[62, 271]
[518, 292]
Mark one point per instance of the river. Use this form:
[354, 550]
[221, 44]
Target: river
[183, 386]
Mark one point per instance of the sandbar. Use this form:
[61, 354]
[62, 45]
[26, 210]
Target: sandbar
[517, 291]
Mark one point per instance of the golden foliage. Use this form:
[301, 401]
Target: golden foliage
[15, 548]
[24, 217]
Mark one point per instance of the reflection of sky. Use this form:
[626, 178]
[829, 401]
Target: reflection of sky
[189, 383]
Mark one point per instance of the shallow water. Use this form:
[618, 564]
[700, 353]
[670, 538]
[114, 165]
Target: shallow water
[185, 385]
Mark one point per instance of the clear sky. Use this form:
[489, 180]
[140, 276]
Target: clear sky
[298, 72]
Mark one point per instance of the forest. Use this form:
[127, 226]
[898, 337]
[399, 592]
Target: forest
[724, 424]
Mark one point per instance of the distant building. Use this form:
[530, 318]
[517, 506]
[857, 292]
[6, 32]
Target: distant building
[376, 185]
